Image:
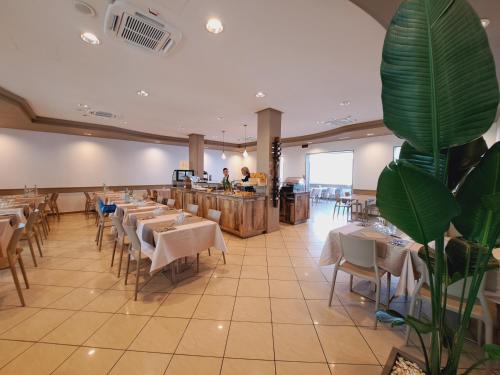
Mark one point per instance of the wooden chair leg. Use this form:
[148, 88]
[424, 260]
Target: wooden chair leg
[30, 245]
[137, 276]
[388, 289]
[114, 251]
[101, 236]
[224, 257]
[16, 281]
[36, 228]
[128, 268]
[23, 271]
[209, 252]
[120, 264]
[38, 244]
[197, 262]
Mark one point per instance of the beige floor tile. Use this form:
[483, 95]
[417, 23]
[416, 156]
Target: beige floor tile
[160, 335]
[11, 349]
[281, 273]
[215, 307]
[103, 281]
[285, 289]
[362, 313]
[10, 316]
[109, 301]
[303, 262]
[118, 332]
[76, 299]
[140, 363]
[146, 304]
[93, 361]
[179, 305]
[254, 272]
[317, 290]
[37, 295]
[309, 274]
[254, 260]
[279, 261]
[253, 288]
[323, 314]
[204, 337]
[192, 365]
[300, 368]
[339, 369]
[77, 329]
[292, 311]
[345, 345]
[39, 359]
[252, 309]
[38, 325]
[247, 367]
[227, 270]
[250, 340]
[297, 343]
[222, 286]
[382, 340]
[192, 285]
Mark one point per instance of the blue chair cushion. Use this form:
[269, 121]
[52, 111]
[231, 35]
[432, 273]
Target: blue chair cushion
[107, 208]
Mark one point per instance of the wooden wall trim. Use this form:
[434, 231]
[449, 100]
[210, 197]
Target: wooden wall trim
[61, 126]
[364, 191]
[81, 189]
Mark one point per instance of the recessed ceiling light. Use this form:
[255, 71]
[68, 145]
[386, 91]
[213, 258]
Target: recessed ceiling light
[260, 94]
[220, 118]
[90, 38]
[87, 134]
[369, 134]
[309, 142]
[214, 26]
[485, 22]
[344, 103]
[142, 93]
[320, 122]
[83, 105]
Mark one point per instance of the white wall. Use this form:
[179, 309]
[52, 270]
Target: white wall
[371, 155]
[59, 160]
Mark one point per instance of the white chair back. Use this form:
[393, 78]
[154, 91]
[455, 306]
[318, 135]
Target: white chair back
[171, 203]
[358, 251]
[117, 223]
[214, 215]
[192, 209]
[133, 238]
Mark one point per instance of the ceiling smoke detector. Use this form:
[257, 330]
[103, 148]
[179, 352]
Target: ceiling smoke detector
[143, 28]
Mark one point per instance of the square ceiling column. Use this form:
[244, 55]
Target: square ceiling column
[268, 128]
[197, 153]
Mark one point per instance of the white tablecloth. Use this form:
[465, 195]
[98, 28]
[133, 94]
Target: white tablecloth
[402, 261]
[133, 214]
[185, 240]
[6, 232]
[18, 211]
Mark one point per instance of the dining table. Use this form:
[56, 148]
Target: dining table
[165, 241]
[19, 211]
[123, 207]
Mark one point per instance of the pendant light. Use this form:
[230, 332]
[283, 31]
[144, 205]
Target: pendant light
[223, 156]
[245, 153]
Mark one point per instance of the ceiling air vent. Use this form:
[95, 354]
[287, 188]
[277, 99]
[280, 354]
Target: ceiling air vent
[139, 27]
[103, 114]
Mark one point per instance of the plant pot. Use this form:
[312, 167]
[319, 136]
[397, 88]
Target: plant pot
[396, 354]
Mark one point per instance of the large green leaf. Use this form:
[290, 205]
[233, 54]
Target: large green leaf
[422, 160]
[463, 158]
[438, 74]
[414, 201]
[478, 197]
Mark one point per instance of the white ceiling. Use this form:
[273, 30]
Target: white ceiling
[307, 55]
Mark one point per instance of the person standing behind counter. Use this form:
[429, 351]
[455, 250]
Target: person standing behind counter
[226, 183]
[246, 174]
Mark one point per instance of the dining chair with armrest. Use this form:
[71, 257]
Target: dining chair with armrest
[192, 209]
[29, 235]
[212, 215]
[171, 203]
[358, 258]
[134, 253]
[120, 240]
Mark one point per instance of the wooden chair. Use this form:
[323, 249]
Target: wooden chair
[192, 209]
[89, 203]
[134, 253]
[12, 257]
[29, 235]
[359, 258]
[212, 215]
[54, 209]
[119, 240]
[171, 203]
[101, 225]
[42, 219]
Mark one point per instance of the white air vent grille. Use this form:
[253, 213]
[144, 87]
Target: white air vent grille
[140, 28]
[136, 31]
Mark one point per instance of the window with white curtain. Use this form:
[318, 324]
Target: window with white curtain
[330, 168]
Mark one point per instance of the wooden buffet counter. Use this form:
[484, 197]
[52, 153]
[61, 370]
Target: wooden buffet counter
[244, 216]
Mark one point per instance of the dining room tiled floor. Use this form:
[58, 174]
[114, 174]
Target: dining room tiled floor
[264, 312]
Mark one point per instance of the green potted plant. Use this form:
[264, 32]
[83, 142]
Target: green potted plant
[440, 94]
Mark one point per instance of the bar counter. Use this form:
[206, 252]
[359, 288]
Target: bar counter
[244, 216]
